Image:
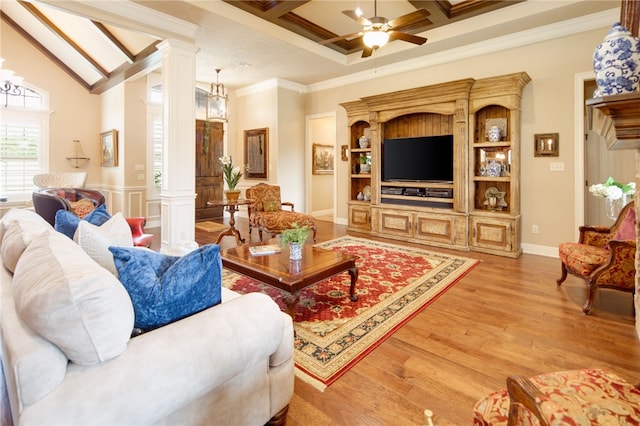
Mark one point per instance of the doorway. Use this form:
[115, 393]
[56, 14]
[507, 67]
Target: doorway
[209, 184]
[599, 164]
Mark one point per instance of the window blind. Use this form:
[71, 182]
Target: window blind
[20, 152]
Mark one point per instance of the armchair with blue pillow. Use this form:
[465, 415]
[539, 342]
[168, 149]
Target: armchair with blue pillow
[84, 203]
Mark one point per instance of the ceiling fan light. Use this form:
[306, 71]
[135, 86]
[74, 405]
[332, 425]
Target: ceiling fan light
[375, 38]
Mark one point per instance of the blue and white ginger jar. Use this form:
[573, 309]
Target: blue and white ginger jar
[616, 61]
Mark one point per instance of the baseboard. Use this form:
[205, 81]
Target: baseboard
[540, 250]
[326, 212]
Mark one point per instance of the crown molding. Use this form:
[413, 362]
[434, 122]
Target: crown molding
[548, 32]
[272, 83]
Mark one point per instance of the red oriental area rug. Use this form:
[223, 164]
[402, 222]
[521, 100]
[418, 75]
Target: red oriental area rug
[394, 284]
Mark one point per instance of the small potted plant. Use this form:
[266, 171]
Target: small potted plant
[365, 164]
[294, 238]
[232, 175]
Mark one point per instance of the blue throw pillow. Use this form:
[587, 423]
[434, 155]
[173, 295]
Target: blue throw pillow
[67, 222]
[165, 288]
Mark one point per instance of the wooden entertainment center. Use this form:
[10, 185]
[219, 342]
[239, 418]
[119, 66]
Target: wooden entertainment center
[480, 208]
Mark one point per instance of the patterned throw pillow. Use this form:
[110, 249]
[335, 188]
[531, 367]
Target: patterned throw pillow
[164, 288]
[270, 206]
[627, 229]
[67, 222]
[82, 208]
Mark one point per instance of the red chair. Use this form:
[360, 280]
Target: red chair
[574, 397]
[603, 256]
[140, 239]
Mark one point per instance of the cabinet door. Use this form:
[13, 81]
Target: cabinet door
[435, 228]
[493, 234]
[360, 218]
[394, 222]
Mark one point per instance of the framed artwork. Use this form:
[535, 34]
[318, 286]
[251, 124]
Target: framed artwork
[256, 150]
[344, 152]
[109, 148]
[546, 145]
[322, 159]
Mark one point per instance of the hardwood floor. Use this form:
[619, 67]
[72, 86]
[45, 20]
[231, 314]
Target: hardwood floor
[507, 316]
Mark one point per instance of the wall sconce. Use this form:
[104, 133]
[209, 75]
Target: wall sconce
[77, 159]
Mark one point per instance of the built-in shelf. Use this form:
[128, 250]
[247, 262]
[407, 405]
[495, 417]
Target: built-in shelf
[617, 119]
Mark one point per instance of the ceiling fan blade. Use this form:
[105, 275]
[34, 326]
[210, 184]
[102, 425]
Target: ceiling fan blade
[409, 18]
[398, 35]
[344, 37]
[361, 19]
[366, 52]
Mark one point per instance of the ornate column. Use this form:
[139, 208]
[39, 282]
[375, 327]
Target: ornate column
[177, 194]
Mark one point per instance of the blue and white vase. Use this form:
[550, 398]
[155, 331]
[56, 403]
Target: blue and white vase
[616, 62]
[295, 251]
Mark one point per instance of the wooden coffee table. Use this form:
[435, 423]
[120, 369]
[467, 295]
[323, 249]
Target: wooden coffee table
[278, 271]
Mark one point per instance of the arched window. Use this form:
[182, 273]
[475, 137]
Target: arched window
[24, 140]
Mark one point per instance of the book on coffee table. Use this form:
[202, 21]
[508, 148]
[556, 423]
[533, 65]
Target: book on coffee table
[264, 250]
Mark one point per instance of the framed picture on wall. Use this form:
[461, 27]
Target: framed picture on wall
[546, 145]
[322, 159]
[256, 150]
[109, 148]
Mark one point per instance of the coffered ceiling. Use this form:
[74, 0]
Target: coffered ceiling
[102, 42]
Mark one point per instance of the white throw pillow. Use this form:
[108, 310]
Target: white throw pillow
[17, 229]
[95, 240]
[69, 300]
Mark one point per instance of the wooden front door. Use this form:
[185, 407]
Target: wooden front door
[209, 184]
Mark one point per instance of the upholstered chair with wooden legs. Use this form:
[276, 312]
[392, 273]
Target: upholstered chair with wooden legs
[603, 256]
[266, 213]
[575, 397]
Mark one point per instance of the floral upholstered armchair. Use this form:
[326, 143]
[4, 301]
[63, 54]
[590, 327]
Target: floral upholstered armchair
[603, 256]
[266, 212]
[576, 397]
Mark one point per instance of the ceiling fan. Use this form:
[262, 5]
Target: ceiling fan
[377, 31]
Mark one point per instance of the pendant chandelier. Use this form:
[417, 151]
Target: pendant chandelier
[217, 100]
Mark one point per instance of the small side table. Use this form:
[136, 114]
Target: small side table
[232, 208]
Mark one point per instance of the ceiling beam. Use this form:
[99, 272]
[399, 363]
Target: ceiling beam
[63, 36]
[147, 59]
[114, 41]
[46, 52]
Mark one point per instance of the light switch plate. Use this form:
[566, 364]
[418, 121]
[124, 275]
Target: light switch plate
[556, 166]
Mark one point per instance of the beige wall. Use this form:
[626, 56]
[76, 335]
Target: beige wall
[74, 113]
[547, 107]
[290, 138]
[255, 110]
[281, 110]
[321, 130]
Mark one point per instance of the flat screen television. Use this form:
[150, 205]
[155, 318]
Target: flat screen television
[418, 159]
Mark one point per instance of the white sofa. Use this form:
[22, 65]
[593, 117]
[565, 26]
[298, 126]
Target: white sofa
[231, 364]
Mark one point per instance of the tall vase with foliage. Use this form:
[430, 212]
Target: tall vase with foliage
[231, 175]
